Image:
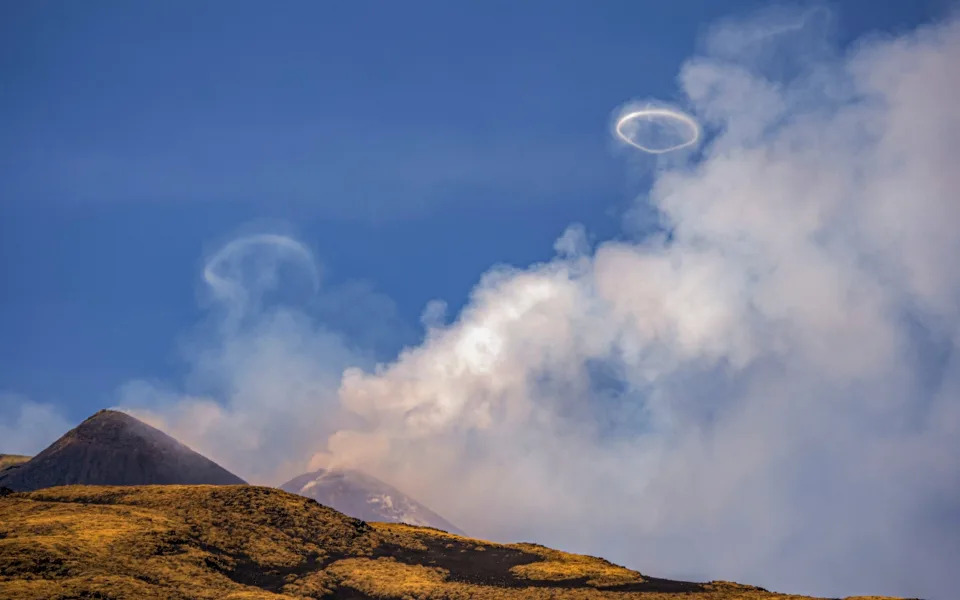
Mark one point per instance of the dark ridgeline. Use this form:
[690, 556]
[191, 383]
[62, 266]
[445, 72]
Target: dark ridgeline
[364, 497]
[113, 448]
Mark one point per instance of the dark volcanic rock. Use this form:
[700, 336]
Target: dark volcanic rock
[113, 448]
[364, 497]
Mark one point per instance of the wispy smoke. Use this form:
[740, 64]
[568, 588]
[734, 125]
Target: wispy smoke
[27, 427]
[768, 390]
[243, 270]
[262, 388]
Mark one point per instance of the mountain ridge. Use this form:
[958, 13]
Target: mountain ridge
[248, 542]
[114, 448]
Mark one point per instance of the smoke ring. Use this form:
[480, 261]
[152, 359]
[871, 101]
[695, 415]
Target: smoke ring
[227, 287]
[657, 113]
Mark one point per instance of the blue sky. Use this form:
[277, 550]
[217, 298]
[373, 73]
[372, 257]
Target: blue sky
[410, 145]
[228, 220]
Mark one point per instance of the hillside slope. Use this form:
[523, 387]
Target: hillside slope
[245, 542]
[113, 448]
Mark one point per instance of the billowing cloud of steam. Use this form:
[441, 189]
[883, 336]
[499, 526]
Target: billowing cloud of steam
[768, 391]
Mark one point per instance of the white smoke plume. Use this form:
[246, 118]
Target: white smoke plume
[767, 391]
[263, 370]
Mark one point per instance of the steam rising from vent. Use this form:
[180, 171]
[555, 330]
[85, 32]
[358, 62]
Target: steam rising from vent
[748, 393]
[263, 370]
[767, 391]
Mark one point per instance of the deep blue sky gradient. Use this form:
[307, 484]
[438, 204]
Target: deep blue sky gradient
[411, 145]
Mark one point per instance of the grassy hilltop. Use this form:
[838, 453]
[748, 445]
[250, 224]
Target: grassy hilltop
[9, 460]
[246, 542]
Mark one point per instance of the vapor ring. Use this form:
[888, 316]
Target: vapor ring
[656, 113]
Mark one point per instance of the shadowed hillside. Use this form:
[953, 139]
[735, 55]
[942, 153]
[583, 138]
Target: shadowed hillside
[245, 542]
[113, 448]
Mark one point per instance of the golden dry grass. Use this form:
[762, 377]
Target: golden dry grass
[560, 566]
[8, 460]
[246, 542]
